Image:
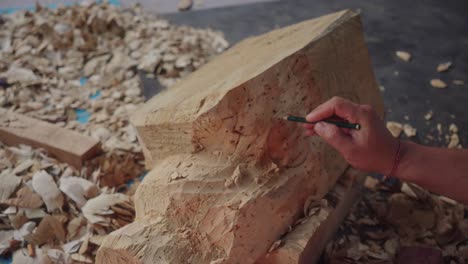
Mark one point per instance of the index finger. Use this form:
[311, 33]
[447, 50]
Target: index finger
[336, 106]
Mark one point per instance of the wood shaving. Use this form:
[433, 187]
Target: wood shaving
[78, 189]
[50, 230]
[403, 55]
[95, 208]
[23, 257]
[442, 67]
[25, 198]
[26, 229]
[395, 128]
[438, 83]
[370, 182]
[5, 237]
[9, 184]
[409, 130]
[72, 246]
[428, 115]
[81, 258]
[454, 139]
[185, 5]
[44, 185]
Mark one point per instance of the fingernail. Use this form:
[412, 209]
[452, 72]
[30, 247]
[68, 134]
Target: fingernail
[319, 128]
[309, 116]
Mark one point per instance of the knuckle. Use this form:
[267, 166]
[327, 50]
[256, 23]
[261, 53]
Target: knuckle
[340, 105]
[367, 108]
[336, 100]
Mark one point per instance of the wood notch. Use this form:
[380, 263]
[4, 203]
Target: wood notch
[229, 177]
[66, 145]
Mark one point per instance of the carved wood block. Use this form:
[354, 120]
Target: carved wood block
[229, 176]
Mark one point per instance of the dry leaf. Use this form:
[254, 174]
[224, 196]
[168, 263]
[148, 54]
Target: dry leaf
[444, 66]
[403, 55]
[394, 128]
[438, 83]
[25, 198]
[44, 185]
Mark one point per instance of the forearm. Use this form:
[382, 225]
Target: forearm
[443, 171]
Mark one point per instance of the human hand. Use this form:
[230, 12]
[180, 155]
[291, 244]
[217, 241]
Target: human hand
[371, 149]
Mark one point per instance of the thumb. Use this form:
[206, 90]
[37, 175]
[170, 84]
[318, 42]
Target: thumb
[333, 135]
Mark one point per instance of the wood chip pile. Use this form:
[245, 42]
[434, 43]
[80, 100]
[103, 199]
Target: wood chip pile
[393, 218]
[53, 63]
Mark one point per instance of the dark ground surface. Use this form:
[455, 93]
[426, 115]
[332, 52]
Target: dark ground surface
[433, 31]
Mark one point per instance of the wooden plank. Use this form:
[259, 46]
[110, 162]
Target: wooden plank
[66, 145]
[305, 243]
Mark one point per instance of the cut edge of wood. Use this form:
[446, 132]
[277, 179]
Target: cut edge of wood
[348, 190]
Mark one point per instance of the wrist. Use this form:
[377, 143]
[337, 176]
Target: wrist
[405, 156]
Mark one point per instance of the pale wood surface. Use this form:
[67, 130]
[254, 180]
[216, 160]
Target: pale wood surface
[305, 243]
[64, 144]
[229, 175]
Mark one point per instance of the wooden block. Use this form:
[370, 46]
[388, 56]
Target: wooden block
[305, 243]
[229, 175]
[66, 145]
